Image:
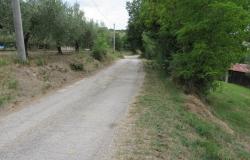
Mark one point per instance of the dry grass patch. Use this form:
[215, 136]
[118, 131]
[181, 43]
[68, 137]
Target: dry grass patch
[44, 72]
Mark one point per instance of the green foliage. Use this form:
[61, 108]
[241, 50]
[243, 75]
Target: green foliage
[150, 46]
[4, 99]
[163, 123]
[49, 24]
[77, 66]
[3, 62]
[198, 70]
[199, 39]
[135, 26]
[232, 104]
[118, 42]
[12, 84]
[6, 23]
[100, 46]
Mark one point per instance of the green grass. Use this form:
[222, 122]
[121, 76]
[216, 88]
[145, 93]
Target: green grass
[12, 84]
[164, 129]
[4, 99]
[40, 61]
[232, 104]
[3, 61]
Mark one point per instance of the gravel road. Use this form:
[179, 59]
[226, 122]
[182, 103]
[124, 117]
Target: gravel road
[77, 122]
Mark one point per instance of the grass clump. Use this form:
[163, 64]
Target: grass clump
[4, 99]
[3, 62]
[12, 84]
[40, 61]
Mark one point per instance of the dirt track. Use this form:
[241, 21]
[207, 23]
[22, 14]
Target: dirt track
[77, 122]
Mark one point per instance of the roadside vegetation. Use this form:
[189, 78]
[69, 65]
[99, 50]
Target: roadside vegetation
[165, 123]
[61, 46]
[184, 110]
[45, 71]
[197, 41]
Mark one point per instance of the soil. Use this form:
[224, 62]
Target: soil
[195, 105]
[43, 74]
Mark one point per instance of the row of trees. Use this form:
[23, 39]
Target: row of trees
[52, 23]
[197, 40]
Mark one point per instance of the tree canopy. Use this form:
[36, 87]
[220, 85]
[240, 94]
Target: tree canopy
[50, 23]
[197, 39]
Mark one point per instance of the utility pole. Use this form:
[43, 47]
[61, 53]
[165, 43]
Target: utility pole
[114, 38]
[18, 30]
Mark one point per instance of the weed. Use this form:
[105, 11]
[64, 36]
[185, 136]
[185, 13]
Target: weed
[12, 84]
[3, 62]
[40, 61]
[4, 99]
[18, 61]
[47, 85]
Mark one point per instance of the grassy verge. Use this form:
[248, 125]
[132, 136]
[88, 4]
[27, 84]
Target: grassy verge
[43, 72]
[160, 127]
[232, 104]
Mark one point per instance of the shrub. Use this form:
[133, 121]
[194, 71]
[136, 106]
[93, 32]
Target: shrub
[150, 46]
[100, 47]
[77, 66]
[199, 70]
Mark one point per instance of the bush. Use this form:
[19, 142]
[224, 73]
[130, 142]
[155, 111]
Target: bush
[198, 70]
[150, 46]
[99, 54]
[100, 47]
[77, 66]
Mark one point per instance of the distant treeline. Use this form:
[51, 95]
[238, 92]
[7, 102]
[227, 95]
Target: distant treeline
[53, 24]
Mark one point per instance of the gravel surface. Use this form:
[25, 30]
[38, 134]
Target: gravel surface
[77, 122]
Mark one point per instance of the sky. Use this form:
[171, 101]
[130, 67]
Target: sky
[107, 11]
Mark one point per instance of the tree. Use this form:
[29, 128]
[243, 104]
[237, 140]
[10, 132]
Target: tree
[29, 11]
[50, 23]
[77, 25]
[135, 26]
[6, 20]
[200, 38]
[90, 34]
[101, 45]
[53, 24]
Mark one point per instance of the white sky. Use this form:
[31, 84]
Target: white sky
[107, 11]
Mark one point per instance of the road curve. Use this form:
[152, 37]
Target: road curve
[75, 123]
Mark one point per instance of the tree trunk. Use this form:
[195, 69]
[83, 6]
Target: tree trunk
[59, 49]
[76, 46]
[26, 43]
